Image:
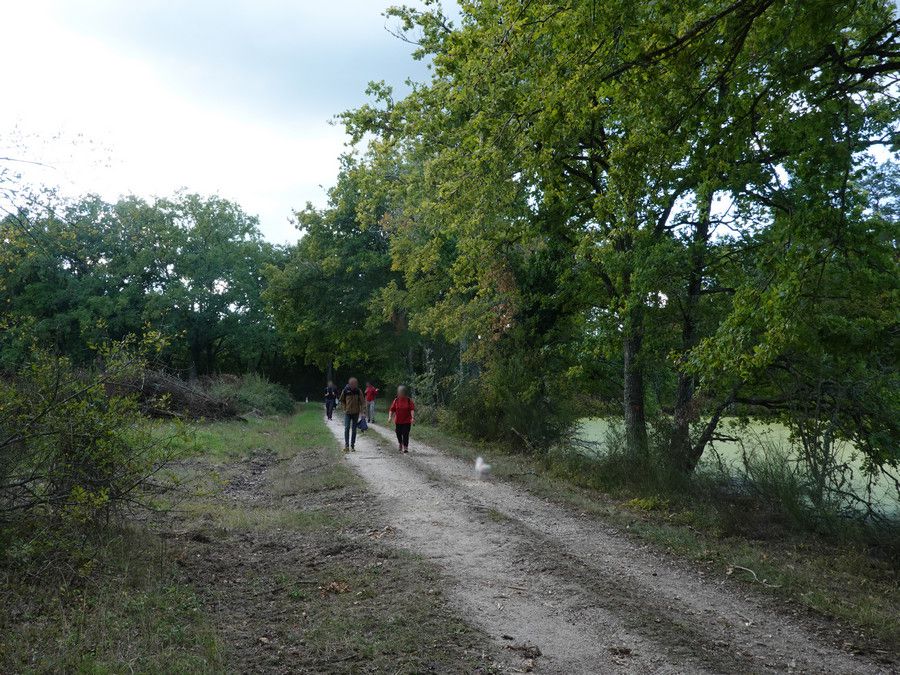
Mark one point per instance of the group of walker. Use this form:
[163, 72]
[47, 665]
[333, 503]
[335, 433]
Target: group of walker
[359, 409]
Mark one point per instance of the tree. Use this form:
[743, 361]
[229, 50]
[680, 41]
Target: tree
[325, 297]
[78, 273]
[638, 125]
[212, 293]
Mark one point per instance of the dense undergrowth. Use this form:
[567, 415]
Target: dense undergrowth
[251, 393]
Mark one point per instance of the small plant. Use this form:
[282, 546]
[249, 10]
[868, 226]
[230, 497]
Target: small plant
[648, 504]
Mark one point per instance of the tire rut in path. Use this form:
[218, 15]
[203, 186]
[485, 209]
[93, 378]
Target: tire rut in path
[589, 598]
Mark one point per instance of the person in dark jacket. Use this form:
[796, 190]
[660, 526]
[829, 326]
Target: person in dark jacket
[331, 394]
[354, 402]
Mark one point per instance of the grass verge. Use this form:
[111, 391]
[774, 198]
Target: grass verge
[273, 560]
[836, 577]
[239, 439]
[130, 613]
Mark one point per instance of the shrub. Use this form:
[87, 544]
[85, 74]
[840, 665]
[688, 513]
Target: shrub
[71, 452]
[515, 404]
[251, 393]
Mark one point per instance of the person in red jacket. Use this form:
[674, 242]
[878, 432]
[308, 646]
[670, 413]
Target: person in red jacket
[371, 393]
[402, 413]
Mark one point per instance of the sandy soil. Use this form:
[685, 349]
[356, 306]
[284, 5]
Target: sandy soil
[563, 593]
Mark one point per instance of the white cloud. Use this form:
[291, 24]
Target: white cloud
[135, 111]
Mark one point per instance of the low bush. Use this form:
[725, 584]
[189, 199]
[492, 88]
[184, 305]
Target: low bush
[512, 403]
[72, 452]
[251, 393]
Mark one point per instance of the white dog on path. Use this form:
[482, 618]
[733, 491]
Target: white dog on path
[482, 468]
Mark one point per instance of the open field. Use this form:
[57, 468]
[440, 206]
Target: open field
[755, 437]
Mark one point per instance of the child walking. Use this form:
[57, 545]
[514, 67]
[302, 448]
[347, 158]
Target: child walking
[402, 413]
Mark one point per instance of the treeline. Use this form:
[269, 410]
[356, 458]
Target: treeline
[76, 274]
[677, 212]
[668, 214]
[112, 314]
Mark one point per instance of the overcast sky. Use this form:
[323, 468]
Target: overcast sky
[232, 97]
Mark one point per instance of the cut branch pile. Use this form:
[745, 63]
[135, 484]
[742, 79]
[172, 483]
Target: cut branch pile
[164, 395]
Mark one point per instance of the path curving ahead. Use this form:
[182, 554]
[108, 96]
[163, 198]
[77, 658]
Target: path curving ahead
[533, 574]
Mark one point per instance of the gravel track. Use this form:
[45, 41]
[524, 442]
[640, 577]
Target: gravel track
[564, 593]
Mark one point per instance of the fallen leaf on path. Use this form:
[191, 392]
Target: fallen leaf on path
[527, 651]
[335, 587]
[378, 534]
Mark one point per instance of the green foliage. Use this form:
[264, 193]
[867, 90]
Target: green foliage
[517, 402]
[685, 194]
[324, 298]
[77, 273]
[252, 392]
[71, 452]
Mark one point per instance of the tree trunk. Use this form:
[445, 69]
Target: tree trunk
[195, 358]
[634, 399]
[680, 442]
[329, 372]
[680, 449]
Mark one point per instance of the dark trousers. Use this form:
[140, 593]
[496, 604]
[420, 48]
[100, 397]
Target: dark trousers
[350, 422]
[403, 434]
[329, 407]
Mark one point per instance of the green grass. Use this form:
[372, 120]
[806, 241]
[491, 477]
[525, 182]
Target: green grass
[238, 439]
[386, 614]
[840, 575]
[243, 518]
[130, 615]
[331, 477]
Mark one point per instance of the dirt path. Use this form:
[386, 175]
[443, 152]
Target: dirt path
[536, 575]
[291, 560]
